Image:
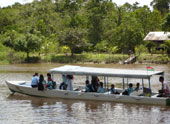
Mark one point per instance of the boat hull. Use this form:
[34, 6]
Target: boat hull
[21, 87]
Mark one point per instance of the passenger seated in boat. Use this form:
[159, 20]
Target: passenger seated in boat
[138, 87]
[49, 81]
[94, 84]
[41, 83]
[87, 88]
[100, 89]
[63, 85]
[69, 82]
[165, 91]
[35, 79]
[129, 90]
[113, 90]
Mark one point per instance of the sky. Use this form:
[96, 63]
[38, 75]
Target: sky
[4, 3]
[141, 2]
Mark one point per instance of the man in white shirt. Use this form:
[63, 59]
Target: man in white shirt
[165, 91]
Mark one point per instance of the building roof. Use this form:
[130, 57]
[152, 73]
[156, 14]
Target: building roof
[157, 36]
[110, 72]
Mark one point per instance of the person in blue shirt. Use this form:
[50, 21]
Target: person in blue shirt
[35, 80]
[113, 90]
[87, 88]
[130, 89]
[100, 89]
[63, 85]
[49, 81]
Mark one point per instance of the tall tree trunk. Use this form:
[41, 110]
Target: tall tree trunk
[72, 53]
[28, 58]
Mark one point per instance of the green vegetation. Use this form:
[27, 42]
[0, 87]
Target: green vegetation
[69, 31]
[89, 57]
[155, 58]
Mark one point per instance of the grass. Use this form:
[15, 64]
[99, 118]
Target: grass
[9, 56]
[89, 57]
[155, 58]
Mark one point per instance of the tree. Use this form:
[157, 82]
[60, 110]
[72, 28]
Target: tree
[161, 5]
[140, 49]
[8, 19]
[166, 47]
[128, 35]
[166, 23]
[155, 21]
[96, 11]
[151, 46]
[142, 15]
[74, 38]
[28, 43]
[9, 38]
[150, 21]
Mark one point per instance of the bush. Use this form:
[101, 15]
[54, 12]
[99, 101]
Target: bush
[33, 59]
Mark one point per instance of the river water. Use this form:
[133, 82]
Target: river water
[22, 109]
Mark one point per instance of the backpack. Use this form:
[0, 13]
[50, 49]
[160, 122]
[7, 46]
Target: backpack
[125, 92]
[40, 87]
[54, 84]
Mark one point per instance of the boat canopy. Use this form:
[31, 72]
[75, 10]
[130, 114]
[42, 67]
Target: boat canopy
[108, 72]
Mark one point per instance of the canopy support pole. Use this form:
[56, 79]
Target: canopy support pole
[104, 81]
[107, 82]
[142, 83]
[149, 87]
[123, 83]
[127, 82]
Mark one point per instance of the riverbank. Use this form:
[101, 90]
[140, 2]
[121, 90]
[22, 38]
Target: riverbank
[84, 58]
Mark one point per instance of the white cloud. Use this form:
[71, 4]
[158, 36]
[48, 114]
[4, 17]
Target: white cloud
[141, 2]
[4, 3]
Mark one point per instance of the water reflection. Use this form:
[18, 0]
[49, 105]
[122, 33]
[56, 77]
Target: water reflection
[75, 111]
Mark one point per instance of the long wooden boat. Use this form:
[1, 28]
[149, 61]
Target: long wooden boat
[25, 87]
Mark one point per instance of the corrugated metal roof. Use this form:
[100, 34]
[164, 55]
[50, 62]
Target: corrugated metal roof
[124, 73]
[157, 36]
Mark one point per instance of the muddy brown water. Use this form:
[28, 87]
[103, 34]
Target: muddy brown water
[23, 109]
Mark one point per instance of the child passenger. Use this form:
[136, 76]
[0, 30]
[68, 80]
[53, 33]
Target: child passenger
[69, 82]
[87, 88]
[130, 89]
[100, 89]
[63, 85]
[41, 83]
[138, 87]
[113, 90]
[49, 81]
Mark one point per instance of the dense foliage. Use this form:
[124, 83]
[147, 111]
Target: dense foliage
[58, 26]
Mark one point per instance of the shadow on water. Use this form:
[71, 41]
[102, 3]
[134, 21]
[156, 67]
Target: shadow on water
[94, 110]
[41, 101]
[89, 105]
